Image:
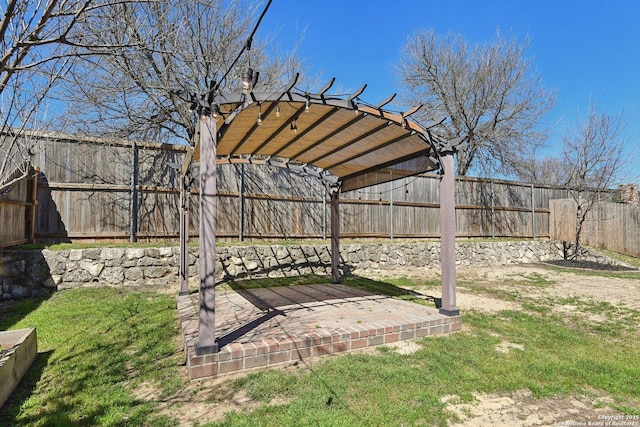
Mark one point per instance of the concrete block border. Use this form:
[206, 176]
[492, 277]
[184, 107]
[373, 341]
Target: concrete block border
[19, 350]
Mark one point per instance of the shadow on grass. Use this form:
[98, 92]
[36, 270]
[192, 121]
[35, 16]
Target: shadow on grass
[11, 410]
[12, 311]
[106, 341]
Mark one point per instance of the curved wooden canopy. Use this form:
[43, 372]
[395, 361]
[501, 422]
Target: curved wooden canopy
[343, 141]
[338, 139]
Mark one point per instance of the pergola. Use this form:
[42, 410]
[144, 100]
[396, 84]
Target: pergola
[341, 140]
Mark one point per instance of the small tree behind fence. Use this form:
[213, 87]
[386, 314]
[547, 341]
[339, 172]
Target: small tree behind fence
[612, 226]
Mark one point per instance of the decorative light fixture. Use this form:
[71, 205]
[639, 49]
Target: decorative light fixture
[306, 107]
[215, 111]
[247, 80]
[277, 111]
[259, 122]
[294, 126]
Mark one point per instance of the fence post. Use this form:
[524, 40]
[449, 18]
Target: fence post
[335, 234]
[34, 204]
[533, 214]
[184, 233]
[133, 220]
[241, 202]
[493, 212]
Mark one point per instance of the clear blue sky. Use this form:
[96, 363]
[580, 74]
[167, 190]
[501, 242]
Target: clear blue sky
[582, 49]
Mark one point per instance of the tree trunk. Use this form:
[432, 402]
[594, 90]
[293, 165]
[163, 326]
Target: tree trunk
[581, 216]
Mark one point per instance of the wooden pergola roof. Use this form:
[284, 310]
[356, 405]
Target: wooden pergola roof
[341, 140]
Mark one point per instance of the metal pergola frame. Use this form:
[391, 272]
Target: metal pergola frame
[344, 142]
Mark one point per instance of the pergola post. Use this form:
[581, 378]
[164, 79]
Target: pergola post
[335, 234]
[241, 203]
[207, 253]
[448, 236]
[184, 235]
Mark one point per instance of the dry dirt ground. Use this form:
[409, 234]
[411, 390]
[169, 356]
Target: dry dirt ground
[518, 409]
[521, 408]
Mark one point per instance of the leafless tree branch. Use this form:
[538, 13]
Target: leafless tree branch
[489, 92]
[594, 155]
[171, 46]
[39, 43]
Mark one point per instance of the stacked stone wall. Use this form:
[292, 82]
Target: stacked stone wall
[32, 273]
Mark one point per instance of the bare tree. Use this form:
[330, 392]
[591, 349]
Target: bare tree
[23, 106]
[34, 54]
[174, 47]
[33, 33]
[541, 169]
[594, 156]
[489, 92]
[39, 43]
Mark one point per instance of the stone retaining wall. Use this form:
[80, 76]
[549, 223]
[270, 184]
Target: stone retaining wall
[32, 273]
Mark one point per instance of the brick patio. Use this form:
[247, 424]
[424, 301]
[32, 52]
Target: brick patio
[261, 328]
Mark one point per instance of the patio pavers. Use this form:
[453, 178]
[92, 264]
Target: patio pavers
[261, 328]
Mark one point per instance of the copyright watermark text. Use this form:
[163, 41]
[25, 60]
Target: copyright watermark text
[604, 421]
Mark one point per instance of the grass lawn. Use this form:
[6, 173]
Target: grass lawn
[96, 345]
[99, 345]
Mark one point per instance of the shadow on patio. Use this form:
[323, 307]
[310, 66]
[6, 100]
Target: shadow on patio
[262, 323]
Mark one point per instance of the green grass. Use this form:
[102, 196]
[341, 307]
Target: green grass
[631, 260]
[392, 389]
[563, 355]
[99, 344]
[413, 282]
[96, 345]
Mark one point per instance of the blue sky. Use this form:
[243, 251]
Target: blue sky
[584, 49]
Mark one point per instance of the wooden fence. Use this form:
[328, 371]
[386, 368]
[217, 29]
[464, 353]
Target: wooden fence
[278, 204]
[96, 190]
[612, 226]
[18, 206]
[104, 190]
[484, 208]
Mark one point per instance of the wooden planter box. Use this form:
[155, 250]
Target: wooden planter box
[19, 349]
